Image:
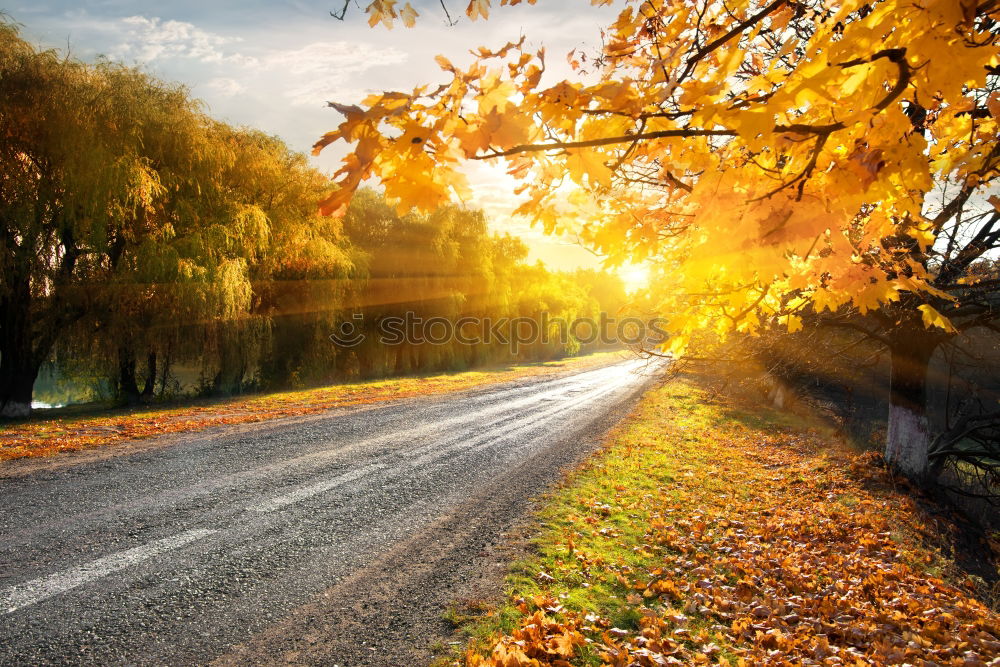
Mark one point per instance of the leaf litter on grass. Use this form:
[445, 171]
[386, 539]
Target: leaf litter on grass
[706, 535]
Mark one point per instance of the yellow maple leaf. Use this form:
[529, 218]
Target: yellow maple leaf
[477, 9]
[589, 163]
[824, 299]
[875, 294]
[933, 318]
[793, 322]
[564, 642]
[754, 122]
[381, 11]
[924, 235]
[409, 15]
[507, 129]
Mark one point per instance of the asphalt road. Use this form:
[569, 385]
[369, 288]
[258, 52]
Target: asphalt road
[331, 539]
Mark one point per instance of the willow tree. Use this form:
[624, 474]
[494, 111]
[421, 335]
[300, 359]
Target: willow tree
[177, 264]
[777, 157]
[74, 191]
[117, 216]
[299, 274]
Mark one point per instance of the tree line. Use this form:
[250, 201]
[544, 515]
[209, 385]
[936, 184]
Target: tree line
[139, 236]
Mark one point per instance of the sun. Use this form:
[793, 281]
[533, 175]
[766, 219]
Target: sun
[635, 276]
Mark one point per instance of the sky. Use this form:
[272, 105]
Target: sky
[274, 65]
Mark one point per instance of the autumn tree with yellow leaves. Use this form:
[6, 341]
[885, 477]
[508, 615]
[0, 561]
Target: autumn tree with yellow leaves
[784, 163]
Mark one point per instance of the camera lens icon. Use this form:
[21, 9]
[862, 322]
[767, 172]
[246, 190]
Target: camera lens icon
[349, 332]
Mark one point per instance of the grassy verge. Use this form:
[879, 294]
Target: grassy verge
[47, 436]
[709, 534]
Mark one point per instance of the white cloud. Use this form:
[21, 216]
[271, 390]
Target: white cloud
[305, 76]
[226, 86]
[149, 39]
[319, 72]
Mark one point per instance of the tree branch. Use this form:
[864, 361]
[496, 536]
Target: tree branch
[736, 30]
[845, 324]
[606, 141]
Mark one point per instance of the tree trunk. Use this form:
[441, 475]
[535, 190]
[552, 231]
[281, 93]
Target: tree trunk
[398, 366]
[366, 361]
[150, 380]
[232, 362]
[18, 366]
[164, 373]
[128, 390]
[908, 434]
